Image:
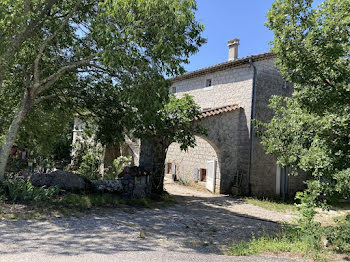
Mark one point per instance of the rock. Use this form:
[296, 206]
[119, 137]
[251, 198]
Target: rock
[142, 233]
[134, 171]
[62, 179]
[111, 186]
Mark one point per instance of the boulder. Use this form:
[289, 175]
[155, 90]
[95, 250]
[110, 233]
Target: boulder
[64, 180]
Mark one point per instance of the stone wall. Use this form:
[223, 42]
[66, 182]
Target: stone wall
[226, 137]
[269, 83]
[187, 161]
[229, 132]
[231, 136]
[133, 182]
[228, 87]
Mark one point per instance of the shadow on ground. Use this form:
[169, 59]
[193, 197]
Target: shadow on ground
[194, 224]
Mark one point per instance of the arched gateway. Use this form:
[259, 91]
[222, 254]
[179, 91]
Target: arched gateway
[215, 162]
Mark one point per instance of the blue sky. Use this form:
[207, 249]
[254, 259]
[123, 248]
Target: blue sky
[228, 19]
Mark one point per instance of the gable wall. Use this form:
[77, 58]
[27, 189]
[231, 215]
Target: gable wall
[230, 86]
[234, 86]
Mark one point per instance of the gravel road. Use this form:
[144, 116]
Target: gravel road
[199, 228]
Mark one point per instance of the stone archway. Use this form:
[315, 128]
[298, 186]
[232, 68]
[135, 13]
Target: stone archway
[228, 136]
[192, 165]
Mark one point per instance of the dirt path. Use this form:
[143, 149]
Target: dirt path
[199, 228]
[202, 197]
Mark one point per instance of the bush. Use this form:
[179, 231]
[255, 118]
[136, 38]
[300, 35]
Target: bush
[183, 182]
[117, 167]
[339, 236]
[20, 190]
[89, 167]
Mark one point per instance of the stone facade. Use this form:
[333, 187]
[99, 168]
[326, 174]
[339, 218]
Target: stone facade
[200, 155]
[225, 94]
[229, 133]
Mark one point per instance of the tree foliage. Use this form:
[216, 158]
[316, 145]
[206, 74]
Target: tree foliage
[310, 131]
[74, 51]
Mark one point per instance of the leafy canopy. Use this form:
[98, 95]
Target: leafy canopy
[88, 54]
[310, 131]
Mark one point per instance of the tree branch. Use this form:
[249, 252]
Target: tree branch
[326, 81]
[49, 81]
[42, 98]
[48, 40]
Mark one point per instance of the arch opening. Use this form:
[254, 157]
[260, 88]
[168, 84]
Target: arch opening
[197, 166]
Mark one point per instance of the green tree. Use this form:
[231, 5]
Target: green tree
[157, 124]
[174, 123]
[310, 131]
[52, 48]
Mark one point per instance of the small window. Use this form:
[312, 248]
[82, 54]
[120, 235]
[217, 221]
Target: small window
[208, 82]
[173, 89]
[203, 175]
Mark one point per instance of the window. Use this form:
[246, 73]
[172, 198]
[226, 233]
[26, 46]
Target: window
[203, 175]
[173, 89]
[208, 82]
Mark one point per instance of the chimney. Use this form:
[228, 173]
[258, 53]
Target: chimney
[233, 49]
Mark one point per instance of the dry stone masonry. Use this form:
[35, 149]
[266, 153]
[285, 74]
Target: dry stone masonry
[230, 141]
[133, 182]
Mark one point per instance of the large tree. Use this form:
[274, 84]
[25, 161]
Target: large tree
[310, 131]
[50, 49]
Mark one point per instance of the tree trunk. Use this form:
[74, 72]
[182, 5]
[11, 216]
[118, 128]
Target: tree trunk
[152, 158]
[11, 134]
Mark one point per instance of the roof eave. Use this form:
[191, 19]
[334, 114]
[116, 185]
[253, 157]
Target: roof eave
[223, 66]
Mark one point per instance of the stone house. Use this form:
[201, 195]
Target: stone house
[231, 159]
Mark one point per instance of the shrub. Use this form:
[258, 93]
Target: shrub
[183, 182]
[339, 236]
[18, 189]
[89, 167]
[117, 167]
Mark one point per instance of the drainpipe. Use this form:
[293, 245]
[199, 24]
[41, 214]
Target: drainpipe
[252, 117]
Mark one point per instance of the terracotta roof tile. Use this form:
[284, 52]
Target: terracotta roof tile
[219, 110]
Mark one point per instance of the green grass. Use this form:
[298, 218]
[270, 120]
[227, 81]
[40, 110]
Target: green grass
[88, 201]
[288, 241]
[279, 206]
[74, 204]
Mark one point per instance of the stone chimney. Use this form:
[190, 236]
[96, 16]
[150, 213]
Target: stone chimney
[233, 49]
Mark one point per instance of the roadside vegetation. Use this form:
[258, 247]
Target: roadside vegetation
[309, 131]
[68, 57]
[313, 242]
[273, 205]
[19, 199]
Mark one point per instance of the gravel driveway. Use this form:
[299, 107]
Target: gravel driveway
[199, 228]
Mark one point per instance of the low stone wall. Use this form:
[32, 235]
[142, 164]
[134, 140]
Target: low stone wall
[111, 186]
[133, 182]
[136, 187]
